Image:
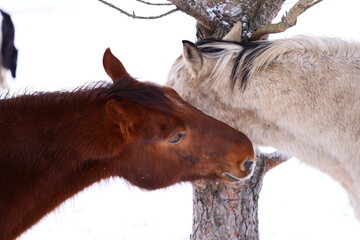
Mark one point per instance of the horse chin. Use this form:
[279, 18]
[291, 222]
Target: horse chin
[230, 177]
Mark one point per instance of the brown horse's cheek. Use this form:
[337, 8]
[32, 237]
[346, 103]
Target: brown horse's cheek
[186, 158]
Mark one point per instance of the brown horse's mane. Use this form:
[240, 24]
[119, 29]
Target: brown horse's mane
[146, 94]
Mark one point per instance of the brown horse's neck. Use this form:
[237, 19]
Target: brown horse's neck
[48, 153]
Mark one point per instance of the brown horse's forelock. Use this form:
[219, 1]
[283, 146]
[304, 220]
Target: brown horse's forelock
[248, 52]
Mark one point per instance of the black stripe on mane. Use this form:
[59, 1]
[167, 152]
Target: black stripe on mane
[243, 61]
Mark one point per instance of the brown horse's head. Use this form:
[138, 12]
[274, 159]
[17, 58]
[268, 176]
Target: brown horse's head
[166, 140]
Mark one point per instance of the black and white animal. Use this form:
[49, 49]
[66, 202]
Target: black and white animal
[9, 53]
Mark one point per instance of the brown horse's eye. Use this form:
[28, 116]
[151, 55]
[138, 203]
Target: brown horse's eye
[177, 138]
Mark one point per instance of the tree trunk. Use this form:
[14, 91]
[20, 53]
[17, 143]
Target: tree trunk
[215, 18]
[224, 14]
[224, 210]
[230, 211]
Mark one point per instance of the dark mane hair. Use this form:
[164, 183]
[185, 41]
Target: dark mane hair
[247, 52]
[146, 94]
[149, 95]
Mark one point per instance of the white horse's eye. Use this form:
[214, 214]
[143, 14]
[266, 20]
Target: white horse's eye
[177, 138]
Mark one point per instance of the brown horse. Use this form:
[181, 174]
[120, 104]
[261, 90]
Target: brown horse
[53, 145]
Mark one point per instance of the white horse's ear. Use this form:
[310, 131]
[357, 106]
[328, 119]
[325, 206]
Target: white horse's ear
[235, 33]
[192, 56]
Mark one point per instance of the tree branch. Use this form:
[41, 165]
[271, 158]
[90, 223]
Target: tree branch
[193, 8]
[133, 13]
[155, 4]
[273, 159]
[287, 21]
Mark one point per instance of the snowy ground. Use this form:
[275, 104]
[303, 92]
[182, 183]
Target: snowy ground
[61, 45]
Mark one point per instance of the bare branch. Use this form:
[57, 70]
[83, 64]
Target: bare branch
[313, 4]
[287, 20]
[192, 9]
[273, 159]
[133, 13]
[155, 4]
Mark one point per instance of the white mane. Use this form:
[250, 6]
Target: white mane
[258, 58]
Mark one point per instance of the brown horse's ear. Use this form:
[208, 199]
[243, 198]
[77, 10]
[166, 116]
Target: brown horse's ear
[124, 113]
[235, 33]
[192, 57]
[113, 67]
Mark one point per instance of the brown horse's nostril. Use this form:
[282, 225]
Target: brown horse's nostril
[248, 164]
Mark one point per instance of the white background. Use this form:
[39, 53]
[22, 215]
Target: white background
[61, 43]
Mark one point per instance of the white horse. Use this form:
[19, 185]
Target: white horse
[299, 95]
